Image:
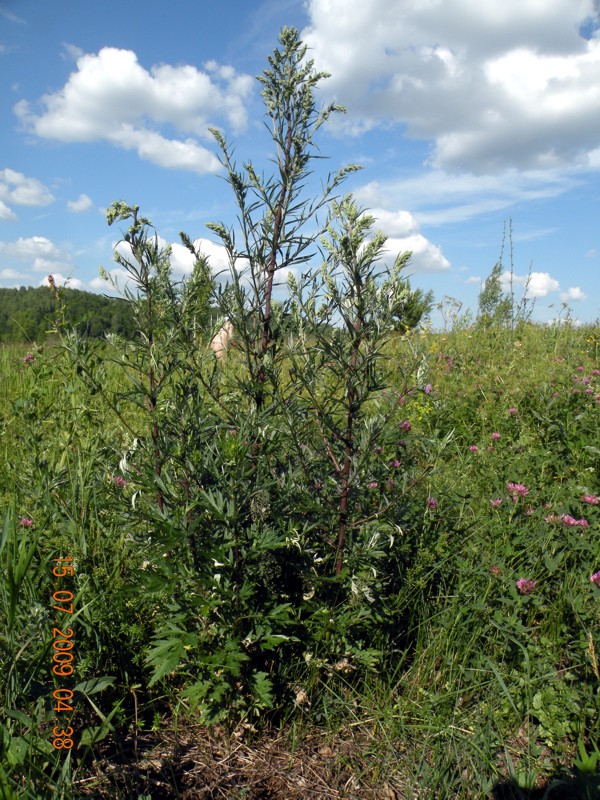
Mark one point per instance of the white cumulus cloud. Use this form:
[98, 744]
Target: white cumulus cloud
[17, 189]
[37, 254]
[112, 97]
[182, 261]
[573, 294]
[63, 280]
[29, 248]
[403, 234]
[494, 85]
[12, 275]
[83, 203]
[6, 213]
[426, 256]
[537, 284]
[119, 280]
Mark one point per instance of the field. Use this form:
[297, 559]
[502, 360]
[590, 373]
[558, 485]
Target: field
[218, 652]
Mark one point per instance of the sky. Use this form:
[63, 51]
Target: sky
[477, 123]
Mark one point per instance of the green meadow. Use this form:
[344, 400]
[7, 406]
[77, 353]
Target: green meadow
[420, 666]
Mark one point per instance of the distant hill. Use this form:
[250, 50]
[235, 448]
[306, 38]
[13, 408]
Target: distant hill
[27, 313]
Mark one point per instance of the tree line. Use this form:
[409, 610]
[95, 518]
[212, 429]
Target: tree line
[28, 314]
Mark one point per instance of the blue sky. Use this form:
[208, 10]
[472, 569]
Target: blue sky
[464, 114]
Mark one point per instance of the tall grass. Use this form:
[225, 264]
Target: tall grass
[477, 680]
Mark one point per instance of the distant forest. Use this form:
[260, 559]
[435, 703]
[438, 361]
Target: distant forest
[27, 314]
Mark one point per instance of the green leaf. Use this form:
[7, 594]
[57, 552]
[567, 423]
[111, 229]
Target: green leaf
[13, 713]
[167, 654]
[17, 751]
[94, 685]
[262, 688]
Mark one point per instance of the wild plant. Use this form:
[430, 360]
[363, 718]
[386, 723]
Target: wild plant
[235, 450]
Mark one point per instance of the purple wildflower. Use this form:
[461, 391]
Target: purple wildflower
[590, 499]
[405, 426]
[517, 489]
[495, 436]
[525, 586]
[428, 389]
[119, 481]
[553, 518]
[571, 522]
[395, 463]
[432, 502]
[28, 358]
[26, 522]
[372, 485]
[473, 448]
[512, 410]
[496, 502]
[595, 579]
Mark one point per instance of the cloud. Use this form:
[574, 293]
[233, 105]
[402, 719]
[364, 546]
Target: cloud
[6, 213]
[62, 280]
[119, 277]
[537, 284]
[83, 203]
[47, 265]
[395, 223]
[426, 256]
[36, 253]
[439, 197]
[29, 248]
[473, 280]
[12, 275]
[9, 15]
[18, 189]
[403, 232]
[111, 97]
[558, 321]
[494, 86]
[573, 294]
[182, 261]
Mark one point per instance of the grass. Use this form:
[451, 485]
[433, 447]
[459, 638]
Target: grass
[460, 687]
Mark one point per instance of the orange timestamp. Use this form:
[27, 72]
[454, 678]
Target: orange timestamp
[62, 653]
